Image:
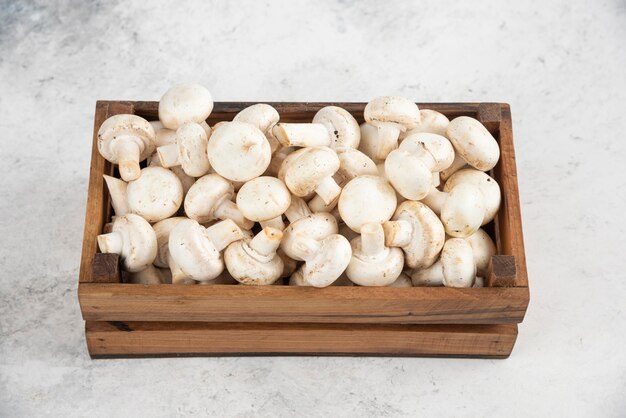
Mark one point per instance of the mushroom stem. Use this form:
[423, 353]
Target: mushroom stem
[228, 210]
[179, 276]
[301, 134]
[117, 191]
[223, 233]
[297, 210]
[435, 200]
[397, 233]
[372, 239]
[431, 276]
[275, 223]
[305, 248]
[128, 153]
[113, 242]
[168, 155]
[328, 190]
[388, 134]
[457, 164]
[267, 241]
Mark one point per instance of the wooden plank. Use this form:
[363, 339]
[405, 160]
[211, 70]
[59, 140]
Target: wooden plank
[229, 303]
[106, 268]
[127, 339]
[490, 115]
[501, 271]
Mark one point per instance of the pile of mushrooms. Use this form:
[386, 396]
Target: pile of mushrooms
[399, 200]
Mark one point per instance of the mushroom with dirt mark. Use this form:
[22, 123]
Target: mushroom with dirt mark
[126, 140]
[410, 168]
[264, 199]
[196, 250]
[239, 151]
[210, 198]
[341, 126]
[390, 115]
[473, 142]
[155, 195]
[418, 231]
[485, 183]
[255, 262]
[264, 117]
[463, 211]
[366, 199]
[372, 263]
[133, 239]
[455, 267]
[310, 170]
[301, 134]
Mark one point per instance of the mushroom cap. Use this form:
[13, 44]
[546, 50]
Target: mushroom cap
[329, 262]
[483, 249]
[439, 148]
[487, 185]
[156, 194]
[392, 109]
[204, 196]
[163, 136]
[474, 142]
[366, 199]
[354, 163]
[192, 143]
[316, 226]
[193, 251]
[430, 121]
[408, 173]
[250, 267]
[403, 280]
[457, 262]
[463, 211]
[306, 170]
[263, 198]
[187, 102]
[139, 243]
[261, 115]
[381, 269]
[121, 128]
[428, 234]
[239, 151]
[162, 230]
[341, 126]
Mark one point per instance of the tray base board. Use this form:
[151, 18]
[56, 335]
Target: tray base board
[161, 339]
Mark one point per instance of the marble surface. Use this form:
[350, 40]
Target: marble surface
[561, 66]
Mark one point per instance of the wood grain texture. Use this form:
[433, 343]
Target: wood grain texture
[106, 268]
[490, 115]
[229, 303]
[128, 339]
[501, 271]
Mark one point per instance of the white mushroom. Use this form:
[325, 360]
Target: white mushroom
[162, 229]
[410, 167]
[264, 200]
[487, 185]
[255, 262]
[196, 251]
[301, 134]
[372, 263]
[133, 239]
[189, 151]
[455, 268]
[366, 199]
[183, 103]
[341, 126]
[117, 192]
[431, 121]
[210, 198]
[149, 275]
[156, 195]
[325, 260]
[239, 151]
[264, 117]
[370, 144]
[463, 211]
[418, 231]
[186, 180]
[483, 249]
[310, 170]
[391, 115]
[403, 280]
[277, 161]
[473, 142]
[126, 140]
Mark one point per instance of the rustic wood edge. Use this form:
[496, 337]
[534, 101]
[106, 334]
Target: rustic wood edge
[164, 339]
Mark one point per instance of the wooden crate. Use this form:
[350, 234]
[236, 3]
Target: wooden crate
[125, 320]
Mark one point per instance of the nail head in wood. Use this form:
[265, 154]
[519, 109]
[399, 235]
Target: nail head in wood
[490, 115]
[106, 268]
[502, 271]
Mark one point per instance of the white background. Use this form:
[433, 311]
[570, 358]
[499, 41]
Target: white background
[562, 67]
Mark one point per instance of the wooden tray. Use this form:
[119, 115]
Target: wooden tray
[157, 320]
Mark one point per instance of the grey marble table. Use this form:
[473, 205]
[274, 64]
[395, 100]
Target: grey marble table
[562, 67]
